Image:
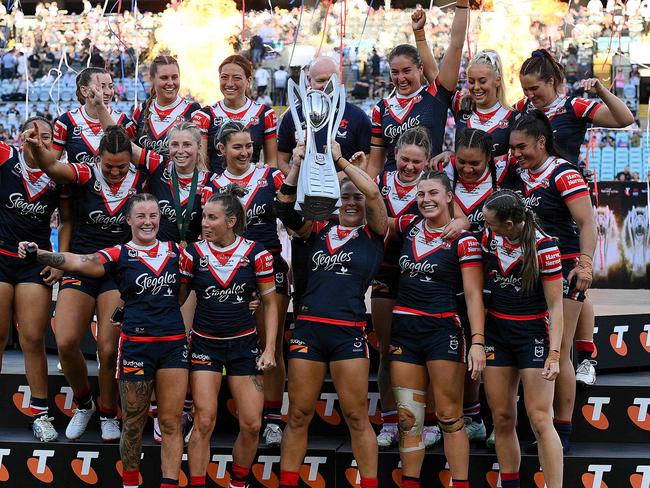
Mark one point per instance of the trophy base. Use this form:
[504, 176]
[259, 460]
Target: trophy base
[318, 208]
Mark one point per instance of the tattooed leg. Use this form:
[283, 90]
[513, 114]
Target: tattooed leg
[248, 393]
[135, 408]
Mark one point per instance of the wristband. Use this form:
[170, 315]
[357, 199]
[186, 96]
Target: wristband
[458, 6]
[478, 344]
[287, 189]
[477, 333]
[553, 356]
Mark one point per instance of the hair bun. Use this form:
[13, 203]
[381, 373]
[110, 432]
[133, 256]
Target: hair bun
[538, 53]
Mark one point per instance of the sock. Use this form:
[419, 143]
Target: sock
[187, 405]
[459, 484]
[153, 408]
[430, 418]
[369, 482]
[389, 417]
[273, 412]
[563, 428]
[510, 480]
[84, 399]
[585, 350]
[473, 411]
[197, 481]
[131, 479]
[106, 413]
[238, 476]
[168, 483]
[289, 478]
[38, 407]
[410, 482]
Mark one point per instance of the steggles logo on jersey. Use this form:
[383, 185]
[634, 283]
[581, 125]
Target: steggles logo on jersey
[506, 281]
[416, 268]
[38, 467]
[327, 263]
[594, 414]
[641, 479]
[149, 284]
[393, 131]
[224, 294]
[82, 466]
[254, 213]
[18, 202]
[594, 477]
[153, 145]
[168, 211]
[106, 221]
[638, 413]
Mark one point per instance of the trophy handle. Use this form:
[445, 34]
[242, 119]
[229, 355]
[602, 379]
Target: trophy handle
[338, 108]
[292, 94]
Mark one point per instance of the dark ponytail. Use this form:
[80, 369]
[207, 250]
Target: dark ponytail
[543, 65]
[115, 140]
[536, 124]
[508, 205]
[475, 138]
[442, 177]
[229, 198]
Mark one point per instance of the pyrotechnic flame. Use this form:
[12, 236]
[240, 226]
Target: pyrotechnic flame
[506, 28]
[197, 34]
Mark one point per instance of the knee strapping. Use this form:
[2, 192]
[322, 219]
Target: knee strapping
[410, 409]
[451, 426]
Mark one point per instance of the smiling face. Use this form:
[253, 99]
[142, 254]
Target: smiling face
[238, 152]
[144, 219]
[216, 226]
[539, 92]
[183, 151]
[405, 74]
[233, 83]
[433, 201]
[353, 206]
[529, 152]
[411, 160]
[483, 85]
[167, 82]
[470, 164]
[114, 167]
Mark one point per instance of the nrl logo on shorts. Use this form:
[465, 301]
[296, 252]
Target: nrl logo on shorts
[453, 343]
[539, 351]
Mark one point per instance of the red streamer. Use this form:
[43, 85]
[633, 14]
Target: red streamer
[469, 22]
[322, 39]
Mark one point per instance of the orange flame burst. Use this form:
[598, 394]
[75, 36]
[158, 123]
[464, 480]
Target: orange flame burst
[506, 28]
[198, 34]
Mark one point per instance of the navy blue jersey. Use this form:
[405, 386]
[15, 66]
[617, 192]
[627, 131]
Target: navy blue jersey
[570, 117]
[161, 186]
[427, 107]
[79, 134]
[152, 133]
[343, 261]
[224, 280]
[430, 268]
[149, 280]
[353, 133]
[261, 184]
[471, 197]
[259, 119]
[100, 208]
[504, 264]
[496, 121]
[28, 197]
[547, 191]
[399, 199]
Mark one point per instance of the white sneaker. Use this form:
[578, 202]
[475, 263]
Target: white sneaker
[272, 435]
[431, 435]
[492, 440]
[388, 436]
[110, 429]
[475, 430]
[586, 373]
[79, 421]
[43, 429]
[157, 436]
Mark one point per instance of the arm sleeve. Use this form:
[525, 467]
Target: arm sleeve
[469, 251]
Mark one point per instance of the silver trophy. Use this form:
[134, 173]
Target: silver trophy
[318, 192]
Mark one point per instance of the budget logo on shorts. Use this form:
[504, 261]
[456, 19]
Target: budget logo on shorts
[296, 345]
[539, 351]
[202, 359]
[489, 353]
[397, 350]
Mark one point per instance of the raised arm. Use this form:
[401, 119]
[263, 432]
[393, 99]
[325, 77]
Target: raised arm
[375, 208]
[418, 21]
[450, 64]
[615, 113]
[87, 264]
[47, 160]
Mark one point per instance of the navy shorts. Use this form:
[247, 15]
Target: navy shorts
[281, 274]
[516, 343]
[326, 343]
[385, 283]
[239, 355]
[569, 289]
[418, 339]
[90, 286]
[138, 360]
[14, 271]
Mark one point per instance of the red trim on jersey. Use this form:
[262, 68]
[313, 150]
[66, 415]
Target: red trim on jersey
[170, 338]
[470, 264]
[508, 316]
[323, 320]
[8, 253]
[553, 277]
[584, 193]
[412, 311]
[216, 338]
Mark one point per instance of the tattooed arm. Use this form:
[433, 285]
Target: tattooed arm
[135, 396]
[87, 264]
